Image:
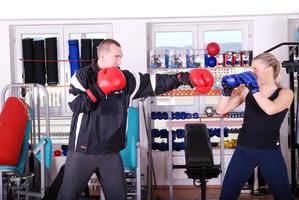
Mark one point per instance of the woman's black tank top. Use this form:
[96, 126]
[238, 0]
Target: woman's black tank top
[260, 130]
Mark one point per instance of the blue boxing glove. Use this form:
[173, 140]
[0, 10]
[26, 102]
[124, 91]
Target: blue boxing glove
[229, 82]
[248, 78]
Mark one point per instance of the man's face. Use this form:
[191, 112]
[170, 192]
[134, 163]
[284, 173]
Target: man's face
[112, 58]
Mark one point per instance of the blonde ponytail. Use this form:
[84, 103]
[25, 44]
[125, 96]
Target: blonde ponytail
[270, 60]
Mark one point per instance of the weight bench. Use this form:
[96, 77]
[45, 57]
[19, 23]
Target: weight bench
[199, 156]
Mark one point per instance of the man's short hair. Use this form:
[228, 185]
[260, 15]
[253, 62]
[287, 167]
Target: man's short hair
[105, 45]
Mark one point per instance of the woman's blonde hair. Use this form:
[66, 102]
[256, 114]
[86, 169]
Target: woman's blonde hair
[270, 60]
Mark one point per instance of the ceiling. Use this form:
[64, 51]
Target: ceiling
[59, 9]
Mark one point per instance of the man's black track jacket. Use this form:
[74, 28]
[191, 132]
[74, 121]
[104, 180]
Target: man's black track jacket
[99, 128]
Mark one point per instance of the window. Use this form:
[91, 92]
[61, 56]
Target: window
[173, 37]
[227, 40]
[294, 30]
[229, 35]
[173, 40]
[57, 94]
[293, 50]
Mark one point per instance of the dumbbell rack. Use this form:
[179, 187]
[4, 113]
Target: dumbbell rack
[233, 121]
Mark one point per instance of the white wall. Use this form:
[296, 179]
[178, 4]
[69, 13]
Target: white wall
[268, 31]
[5, 55]
[132, 35]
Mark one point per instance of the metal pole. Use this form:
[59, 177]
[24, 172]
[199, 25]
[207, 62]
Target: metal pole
[170, 159]
[151, 171]
[292, 137]
[282, 44]
[1, 184]
[47, 173]
[138, 172]
[222, 149]
[46, 104]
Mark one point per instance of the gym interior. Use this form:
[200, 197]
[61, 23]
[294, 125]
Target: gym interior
[43, 45]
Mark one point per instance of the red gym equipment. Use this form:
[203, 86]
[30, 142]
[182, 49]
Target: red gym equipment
[213, 49]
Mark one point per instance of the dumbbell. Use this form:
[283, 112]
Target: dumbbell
[178, 146]
[164, 115]
[211, 132]
[174, 134]
[155, 133]
[181, 145]
[175, 146]
[225, 132]
[159, 115]
[180, 133]
[178, 115]
[217, 132]
[163, 146]
[195, 115]
[183, 115]
[188, 116]
[163, 133]
[153, 115]
[172, 115]
[64, 149]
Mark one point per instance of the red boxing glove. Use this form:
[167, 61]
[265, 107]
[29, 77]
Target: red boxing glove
[111, 79]
[202, 79]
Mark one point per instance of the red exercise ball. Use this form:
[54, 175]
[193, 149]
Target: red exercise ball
[213, 49]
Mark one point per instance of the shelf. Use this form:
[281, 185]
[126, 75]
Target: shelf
[191, 92]
[57, 86]
[235, 122]
[204, 118]
[189, 69]
[218, 117]
[216, 151]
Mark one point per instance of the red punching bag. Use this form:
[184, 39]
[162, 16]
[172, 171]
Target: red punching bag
[13, 120]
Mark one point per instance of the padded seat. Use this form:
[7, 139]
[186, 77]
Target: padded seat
[199, 156]
[18, 169]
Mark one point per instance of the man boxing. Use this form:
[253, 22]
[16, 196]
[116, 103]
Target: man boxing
[99, 97]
